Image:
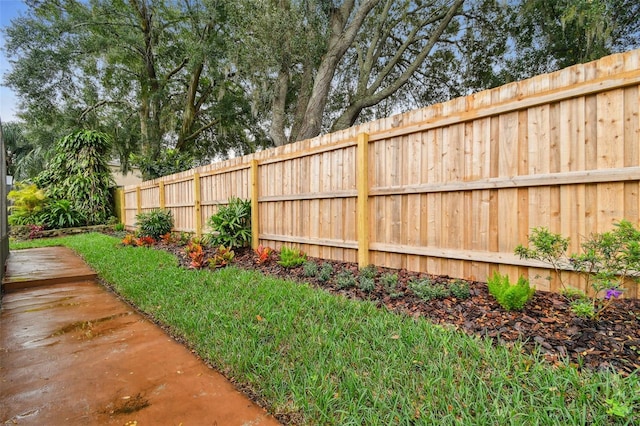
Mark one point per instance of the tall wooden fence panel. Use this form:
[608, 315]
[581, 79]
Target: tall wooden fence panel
[449, 189]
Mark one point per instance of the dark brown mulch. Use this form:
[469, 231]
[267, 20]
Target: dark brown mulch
[546, 322]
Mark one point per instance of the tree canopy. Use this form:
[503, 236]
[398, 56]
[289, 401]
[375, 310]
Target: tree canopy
[212, 78]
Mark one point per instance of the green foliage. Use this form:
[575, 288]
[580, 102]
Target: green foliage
[325, 273]
[547, 247]
[369, 271]
[608, 261]
[232, 224]
[155, 223]
[427, 290]
[583, 308]
[291, 257]
[366, 283]
[310, 268]
[27, 203]
[119, 227]
[389, 282]
[78, 172]
[345, 279]
[510, 297]
[460, 289]
[61, 214]
[618, 409]
[168, 162]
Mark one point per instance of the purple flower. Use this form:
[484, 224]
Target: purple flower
[612, 292]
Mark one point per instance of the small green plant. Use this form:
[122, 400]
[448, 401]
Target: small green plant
[345, 279]
[369, 271]
[389, 282]
[119, 227]
[231, 224]
[427, 290]
[155, 223]
[325, 273]
[583, 308]
[573, 293]
[618, 409]
[291, 257]
[366, 284]
[223, 257]
[460, 289]
[310, 268]
[510, 297]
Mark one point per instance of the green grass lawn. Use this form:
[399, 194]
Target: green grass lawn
[323, 359]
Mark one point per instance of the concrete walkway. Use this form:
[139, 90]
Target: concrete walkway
[72, 353]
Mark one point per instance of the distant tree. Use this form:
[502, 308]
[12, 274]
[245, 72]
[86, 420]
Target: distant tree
[24, 159]
[78, 172]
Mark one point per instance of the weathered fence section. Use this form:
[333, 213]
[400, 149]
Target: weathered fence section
[4, 227]
[448, 189]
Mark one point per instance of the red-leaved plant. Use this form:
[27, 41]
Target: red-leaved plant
[129, 240]
[196, 254]
[146, 241]
[264, 254]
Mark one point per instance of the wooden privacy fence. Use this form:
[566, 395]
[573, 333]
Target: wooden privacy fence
[448, 189]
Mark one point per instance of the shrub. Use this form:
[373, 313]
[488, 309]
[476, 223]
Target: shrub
[28, 202]
[389, 282]
[345, 279]
[291, 257]
[129, 240]
[310, 268]
[62, 214]
[231, 224]
[427, 290]
[369, 271]
[195, 252]
[326, 270]
[264, 254]
[155, 223]
[145, 241]
[460, 289]
[119, 227]
[366, 284]
[223, 257]
[510, 297]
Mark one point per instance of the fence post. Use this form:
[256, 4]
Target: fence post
[197, 210]
[255, 225]
[161, 194]
[138, 200]
[362, 183]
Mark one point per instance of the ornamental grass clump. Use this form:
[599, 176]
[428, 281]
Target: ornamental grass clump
[510, 297]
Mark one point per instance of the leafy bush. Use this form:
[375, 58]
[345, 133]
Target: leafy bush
[62, 214]
[27, 203]
[195, 252]
[345, 279]
[427, 290]
[310, 268]
[326, 270]
[460, 289]
[155, 223]
[510, 297]
[119, 227]
[232, 224]
[583, 308]
[291, 257]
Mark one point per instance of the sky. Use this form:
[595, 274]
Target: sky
[9, 9]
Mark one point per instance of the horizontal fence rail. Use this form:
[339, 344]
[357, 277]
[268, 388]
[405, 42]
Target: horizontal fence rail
[450, 189]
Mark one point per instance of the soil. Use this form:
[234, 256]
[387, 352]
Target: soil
[546, 323]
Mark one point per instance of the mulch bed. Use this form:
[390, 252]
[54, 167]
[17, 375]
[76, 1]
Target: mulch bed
[546, 322]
